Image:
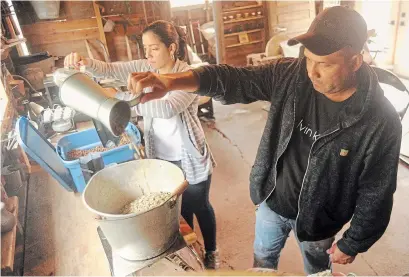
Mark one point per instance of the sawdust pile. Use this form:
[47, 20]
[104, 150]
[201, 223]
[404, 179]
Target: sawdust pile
[146, 202]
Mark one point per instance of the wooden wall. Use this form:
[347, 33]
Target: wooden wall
[77, 23]
[295, 16]
[200, 13]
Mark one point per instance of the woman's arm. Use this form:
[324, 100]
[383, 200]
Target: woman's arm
[174, 104]
[117, 70]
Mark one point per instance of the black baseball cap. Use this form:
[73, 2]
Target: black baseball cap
[333, 29]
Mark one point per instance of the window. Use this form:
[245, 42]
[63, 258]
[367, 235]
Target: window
[184, 3]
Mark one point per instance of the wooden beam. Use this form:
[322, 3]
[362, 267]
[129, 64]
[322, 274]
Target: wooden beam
[128, 48]
[63, 37]
[165, 11]
[398, 7]
[99, 23]
[8, 240]
[265, 34]
[144, 12]
[218, 26]
[207, 8]
[90, 55]
[55, 27]
[10, 27]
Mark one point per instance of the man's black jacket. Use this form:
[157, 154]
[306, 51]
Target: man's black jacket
[352, 167]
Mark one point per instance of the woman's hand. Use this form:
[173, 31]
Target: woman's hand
[74, 60]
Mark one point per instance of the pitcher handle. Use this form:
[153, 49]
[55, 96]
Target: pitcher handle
[135, 101]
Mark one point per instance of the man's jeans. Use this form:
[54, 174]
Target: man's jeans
[272, 231]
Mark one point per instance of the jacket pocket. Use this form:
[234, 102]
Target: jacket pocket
[187, 142]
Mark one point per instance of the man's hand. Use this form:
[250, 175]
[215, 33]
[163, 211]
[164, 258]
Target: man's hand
[138, 81]
[161, 83]
[338, 257]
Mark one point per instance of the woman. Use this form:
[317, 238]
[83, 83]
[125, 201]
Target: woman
[172, 129]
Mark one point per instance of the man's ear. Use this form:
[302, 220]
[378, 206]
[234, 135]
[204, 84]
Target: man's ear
[356, 62]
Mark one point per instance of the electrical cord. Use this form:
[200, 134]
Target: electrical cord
[36, 91]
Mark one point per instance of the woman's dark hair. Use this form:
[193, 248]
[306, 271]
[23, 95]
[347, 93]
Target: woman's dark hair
[168, 34]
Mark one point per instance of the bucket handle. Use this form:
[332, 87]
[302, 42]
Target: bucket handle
[177, 192]
[180, 189]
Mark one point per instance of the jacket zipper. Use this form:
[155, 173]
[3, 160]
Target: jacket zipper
[275, 165]
[303, 179]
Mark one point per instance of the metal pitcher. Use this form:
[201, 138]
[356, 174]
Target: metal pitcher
[80, 92]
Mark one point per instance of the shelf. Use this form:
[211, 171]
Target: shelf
[247, 43]
[242, 8]
[243, 19]
[243, 32]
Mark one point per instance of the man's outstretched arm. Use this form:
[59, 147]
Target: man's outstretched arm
[224, 83]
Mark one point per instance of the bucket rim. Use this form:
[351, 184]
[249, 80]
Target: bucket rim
[113, 217]
[116, 217]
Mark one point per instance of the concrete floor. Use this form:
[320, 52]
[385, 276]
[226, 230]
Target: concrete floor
[62, 238]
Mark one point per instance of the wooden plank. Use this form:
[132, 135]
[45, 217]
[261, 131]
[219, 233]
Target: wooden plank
[242, 52]
[61, 49]
[159, 8]
[165, 10]
[293, 16]
[396, 6]
[313, 11]
[53, 27]
[286, 9]
[73, 10]
[297, 26]
[145, 15]
[8, 240]
[63, 37]
[242, 44]
[266, 25]
[244, 32]
[207, 10]
[241, 8]
[99, 23]
[243, 19]
[196, 14]
[118, 48]
[288, 3]
[188, 234]
[251, 37]
[90, 55]
[128, 49]
[10, 26]
[218, 26]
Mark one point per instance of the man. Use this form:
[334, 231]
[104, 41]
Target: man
[330, 148]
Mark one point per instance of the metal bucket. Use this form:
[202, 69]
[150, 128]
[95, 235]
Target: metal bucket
[136, 236]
